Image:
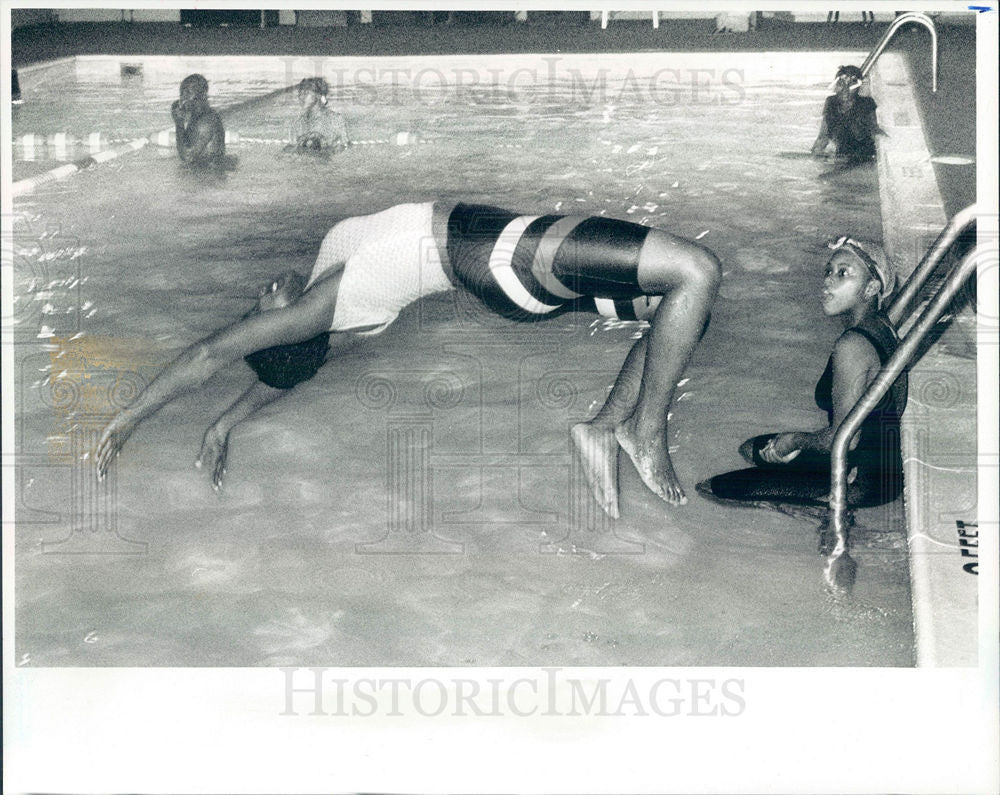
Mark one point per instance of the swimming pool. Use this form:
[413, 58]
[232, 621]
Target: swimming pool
[416, 503]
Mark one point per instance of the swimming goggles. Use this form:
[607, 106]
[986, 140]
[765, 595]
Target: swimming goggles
[855, 248]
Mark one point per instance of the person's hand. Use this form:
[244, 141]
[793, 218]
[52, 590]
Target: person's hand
[781, 449]
[111, 441]
[214, 449]
[311, 141]
[179, 111]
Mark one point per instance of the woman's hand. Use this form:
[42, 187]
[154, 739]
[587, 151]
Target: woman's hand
[112, 440]
[214, 450]
[781, 449]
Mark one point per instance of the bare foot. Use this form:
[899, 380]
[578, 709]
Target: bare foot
[653, 463]
[598, 451]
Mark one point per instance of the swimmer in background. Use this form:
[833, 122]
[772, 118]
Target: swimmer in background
[200, 136]
[318, 128]
[522, 267]
[849, 120]
[793, 468]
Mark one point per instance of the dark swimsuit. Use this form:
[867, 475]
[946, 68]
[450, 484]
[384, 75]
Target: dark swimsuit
[533, 267]
[805, 480]
[852, 131]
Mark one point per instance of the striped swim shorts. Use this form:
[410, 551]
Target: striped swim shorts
[528, 267]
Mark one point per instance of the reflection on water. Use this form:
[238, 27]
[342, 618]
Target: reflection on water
[308, 556]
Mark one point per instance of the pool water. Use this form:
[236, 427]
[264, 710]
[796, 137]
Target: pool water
[120, 98]
[417, 503]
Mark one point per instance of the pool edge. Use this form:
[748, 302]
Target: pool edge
[942, 400]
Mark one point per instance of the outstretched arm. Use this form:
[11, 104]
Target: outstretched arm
[215, 444]
[307, 317]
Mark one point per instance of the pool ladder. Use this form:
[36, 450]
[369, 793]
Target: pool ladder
[840, 568]
[919, 18]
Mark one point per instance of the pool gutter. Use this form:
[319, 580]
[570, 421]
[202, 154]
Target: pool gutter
[939, 440]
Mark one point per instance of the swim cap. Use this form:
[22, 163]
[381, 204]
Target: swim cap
[284, 366]
[873, 257]
[196, 83]
[850, 71]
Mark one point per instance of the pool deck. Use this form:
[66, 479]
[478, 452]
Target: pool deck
[939, 440]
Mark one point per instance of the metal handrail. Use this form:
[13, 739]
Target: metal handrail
[958, 224]
[840, 567]
[913, 16]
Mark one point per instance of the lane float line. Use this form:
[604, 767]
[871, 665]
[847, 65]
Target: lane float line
[30, 143]
[29, 185]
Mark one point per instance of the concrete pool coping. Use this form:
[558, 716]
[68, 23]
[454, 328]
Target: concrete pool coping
[940, 484]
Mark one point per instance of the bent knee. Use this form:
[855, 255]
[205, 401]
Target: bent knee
[702, 268]
[671, 262]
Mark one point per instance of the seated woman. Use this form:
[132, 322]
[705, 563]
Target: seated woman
[525, 267]
[849, 120]
[318, 128]
[794, 467]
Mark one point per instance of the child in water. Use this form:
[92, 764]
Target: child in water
[318, 128]
[200, 136]
[793, 468]
[849, 120]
